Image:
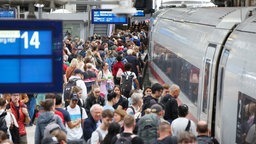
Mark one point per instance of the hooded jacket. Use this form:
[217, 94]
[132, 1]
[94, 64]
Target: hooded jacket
[44, 119]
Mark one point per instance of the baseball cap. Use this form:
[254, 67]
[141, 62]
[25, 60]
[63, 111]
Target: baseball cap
[74, 97]
[156, 108]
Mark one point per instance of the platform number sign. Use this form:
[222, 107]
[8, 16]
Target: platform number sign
[30, 56]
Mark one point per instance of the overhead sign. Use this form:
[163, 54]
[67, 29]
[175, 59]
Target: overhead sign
[30, 56]
[106, 16]
[139, 13]
[7, 13]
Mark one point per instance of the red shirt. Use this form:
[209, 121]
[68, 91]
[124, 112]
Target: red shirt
[116, 66]
[60, 115]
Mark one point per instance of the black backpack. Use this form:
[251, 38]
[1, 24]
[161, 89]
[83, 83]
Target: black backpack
[68, 88]
[126, 85]
[124, 140]
[3, 125]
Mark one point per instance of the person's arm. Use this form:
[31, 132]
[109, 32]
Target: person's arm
[98, 54]
[174, 109]
[59, 122]
[72, 125]
[25, 112]
[137, 84]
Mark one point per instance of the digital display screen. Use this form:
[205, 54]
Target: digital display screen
[106, 16]
[30, 56]
[7, 13]
[139, 13]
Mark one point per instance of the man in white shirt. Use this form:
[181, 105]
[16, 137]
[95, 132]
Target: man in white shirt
[182, 124]
[99, 134]
[76, 113]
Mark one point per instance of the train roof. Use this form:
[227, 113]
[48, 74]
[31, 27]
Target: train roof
[216, 17]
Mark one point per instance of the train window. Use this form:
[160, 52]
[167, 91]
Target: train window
[178, 70]
[207, 76]
[206, 85]
[246, 119]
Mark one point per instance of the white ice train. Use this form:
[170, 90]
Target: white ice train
[211, 54]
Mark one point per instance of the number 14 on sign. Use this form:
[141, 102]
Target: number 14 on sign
[34, 41]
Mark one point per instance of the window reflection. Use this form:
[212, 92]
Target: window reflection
[178, 70]
[246, 120]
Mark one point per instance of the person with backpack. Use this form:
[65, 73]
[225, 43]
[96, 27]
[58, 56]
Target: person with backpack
[128, 78]
[171, 104]
[77, 116]
[135, 108]
[127, 136]
[148, 126]
[182, 124]
[105, 80]
[165, 136]
[149, 100]
[7, 120]
[75, 80]
[203, 134]
[133, 60]
[47, 118]
[118, 69]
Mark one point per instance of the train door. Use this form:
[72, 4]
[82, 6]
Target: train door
[205, 105]
[216, 129]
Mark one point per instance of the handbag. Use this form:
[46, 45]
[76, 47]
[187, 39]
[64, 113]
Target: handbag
[14, 131]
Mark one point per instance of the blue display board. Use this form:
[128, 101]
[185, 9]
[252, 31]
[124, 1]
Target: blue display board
[30, 56]
[7, 13]
[139, 13]
[106, 16]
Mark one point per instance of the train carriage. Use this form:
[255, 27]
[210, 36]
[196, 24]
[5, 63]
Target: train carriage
[210, 54]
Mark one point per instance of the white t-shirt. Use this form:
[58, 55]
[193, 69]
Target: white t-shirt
[75, 113]
[95, 136]
[179, 125]
[127, 73]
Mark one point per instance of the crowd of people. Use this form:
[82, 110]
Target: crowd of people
[102, 100]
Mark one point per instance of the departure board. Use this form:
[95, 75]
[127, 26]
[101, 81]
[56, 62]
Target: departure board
[139, 13]
[106, 16]
[7, 13]
[30, 56]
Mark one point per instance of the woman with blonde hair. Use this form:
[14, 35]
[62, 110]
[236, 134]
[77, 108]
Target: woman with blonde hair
[71, 68]
[79, 91]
